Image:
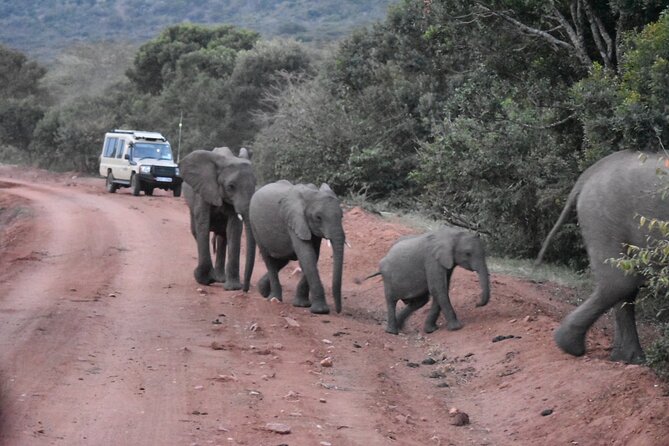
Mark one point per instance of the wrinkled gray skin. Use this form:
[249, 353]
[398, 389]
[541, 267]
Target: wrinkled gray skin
[609, 197]
[289, 221]
[419, 266]
[218, 187]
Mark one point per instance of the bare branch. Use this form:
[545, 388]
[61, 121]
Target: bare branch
[576, 40]
[601, 36]
[528, 29]
[575, 44]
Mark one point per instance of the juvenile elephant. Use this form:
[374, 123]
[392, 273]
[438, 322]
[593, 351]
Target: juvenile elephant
[419, 266]
[218, 187]
[289, 221]
[609, 196]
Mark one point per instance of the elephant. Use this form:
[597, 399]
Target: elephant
[289, 221]
[609, 197]
[218, 187]
[421, 265]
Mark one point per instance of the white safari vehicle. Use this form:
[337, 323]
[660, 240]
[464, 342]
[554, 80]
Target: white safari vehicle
[139, 160]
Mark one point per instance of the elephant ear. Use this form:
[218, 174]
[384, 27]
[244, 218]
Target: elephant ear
[441, 244]
[225, 151]
[200, 170]
[292, 209]
[326, 190]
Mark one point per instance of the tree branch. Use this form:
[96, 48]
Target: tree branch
[528, 29]
[601, 37]
[577, 41]
[575, 45]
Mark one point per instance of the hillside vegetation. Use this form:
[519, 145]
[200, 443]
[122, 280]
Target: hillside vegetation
[479, 113]
[43, 28]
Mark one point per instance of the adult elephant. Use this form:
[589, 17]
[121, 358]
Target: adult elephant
[609, 198]
[289, 221]
[218, 189]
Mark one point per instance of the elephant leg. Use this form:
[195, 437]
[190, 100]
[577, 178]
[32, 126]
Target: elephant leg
[302, 293]
[220, 244]
[609, 291]
[264, 286]
[412, 305]
[204, 270]
[391, 303]
[234, 237]
[438, 284]
[432, 316]
[626, 345]
[273, 268]
[307, 255]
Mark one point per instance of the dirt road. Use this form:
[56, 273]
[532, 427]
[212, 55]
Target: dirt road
[106, 339]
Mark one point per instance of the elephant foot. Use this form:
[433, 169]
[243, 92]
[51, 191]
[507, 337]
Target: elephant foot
[630, 357]
[429, 328]
[302, 302]
[453, 325]
[231, 285]
[570, 342]
[392, 330]
[263, 286]
[203, 276]
[319, 308]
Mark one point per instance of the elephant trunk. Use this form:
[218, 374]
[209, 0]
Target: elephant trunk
[250, 253]
[337, 269]
[484, 281]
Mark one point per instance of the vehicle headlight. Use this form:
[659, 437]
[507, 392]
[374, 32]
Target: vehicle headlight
[144, 169]
[176, 171]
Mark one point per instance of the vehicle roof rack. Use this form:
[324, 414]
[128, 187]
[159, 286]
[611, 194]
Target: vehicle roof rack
[147, 136]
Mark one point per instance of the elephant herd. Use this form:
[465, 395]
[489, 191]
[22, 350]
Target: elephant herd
[289, 221]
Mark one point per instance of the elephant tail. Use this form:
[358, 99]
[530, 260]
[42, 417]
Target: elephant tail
[213, 242]
[358, 280]
[571, 201]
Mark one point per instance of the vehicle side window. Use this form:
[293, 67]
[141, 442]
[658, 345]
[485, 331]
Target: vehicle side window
[112, 144]
[119, 148]
[109, 147]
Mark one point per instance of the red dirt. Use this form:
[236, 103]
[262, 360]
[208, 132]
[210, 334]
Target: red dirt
[106, 339]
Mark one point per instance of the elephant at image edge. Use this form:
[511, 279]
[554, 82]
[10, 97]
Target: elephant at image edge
[609, 197]
[218, 187]
[289, 221]
[419, 266]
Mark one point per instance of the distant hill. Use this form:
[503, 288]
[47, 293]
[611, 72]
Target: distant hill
[42, 28]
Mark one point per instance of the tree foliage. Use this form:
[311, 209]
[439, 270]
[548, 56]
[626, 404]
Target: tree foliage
[23, 100]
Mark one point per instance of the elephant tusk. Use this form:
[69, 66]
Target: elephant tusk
[239, 216]
[329, 243]
[348, 244]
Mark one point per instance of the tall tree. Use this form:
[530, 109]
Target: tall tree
[24, 100]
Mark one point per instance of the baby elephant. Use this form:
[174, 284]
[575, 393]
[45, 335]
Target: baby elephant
[419, 266]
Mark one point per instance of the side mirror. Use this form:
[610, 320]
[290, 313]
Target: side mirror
[126, 156]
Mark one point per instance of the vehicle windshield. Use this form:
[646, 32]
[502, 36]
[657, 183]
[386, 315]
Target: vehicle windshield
[159, 151]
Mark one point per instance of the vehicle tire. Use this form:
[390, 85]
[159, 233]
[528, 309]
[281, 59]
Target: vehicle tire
[135, 184]
[110, 185]
[177, 190]
[148, 190]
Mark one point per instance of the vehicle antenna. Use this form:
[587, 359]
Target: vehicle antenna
[181, 117]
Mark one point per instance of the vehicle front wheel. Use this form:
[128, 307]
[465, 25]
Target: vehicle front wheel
[177, 190]
[148, 191]
[135, 184]
[110, 185]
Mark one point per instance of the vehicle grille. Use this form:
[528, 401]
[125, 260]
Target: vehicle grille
[163, 171]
